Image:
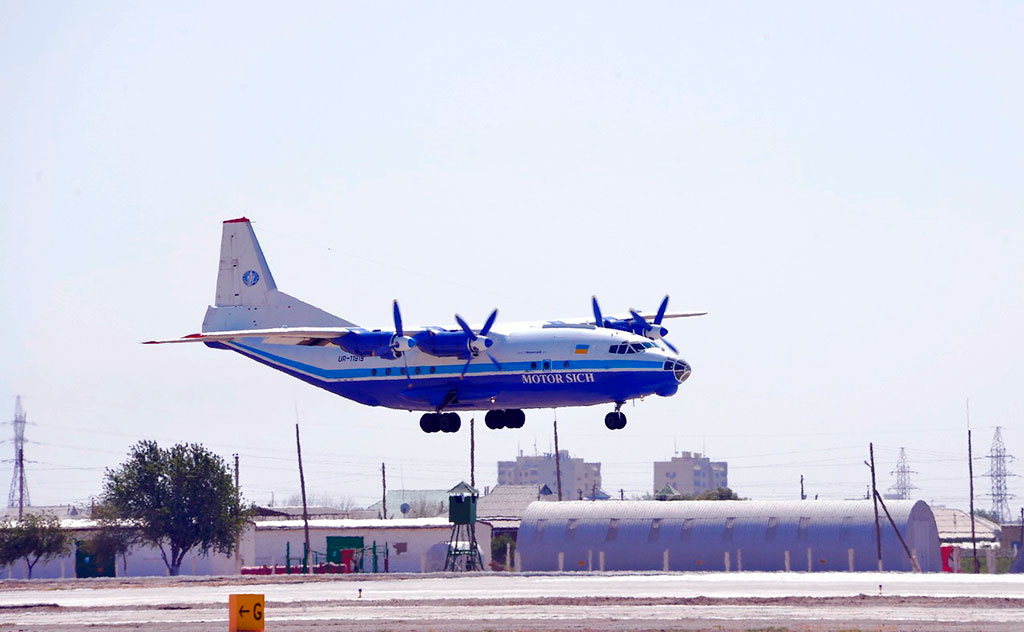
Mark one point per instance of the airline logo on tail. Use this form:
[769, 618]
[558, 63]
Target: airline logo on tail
[251, 277]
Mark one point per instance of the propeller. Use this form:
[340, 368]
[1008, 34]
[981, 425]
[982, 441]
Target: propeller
[400, 343]
[478, 343]
[637, 324]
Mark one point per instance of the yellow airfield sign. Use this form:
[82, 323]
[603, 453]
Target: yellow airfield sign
[245, 613]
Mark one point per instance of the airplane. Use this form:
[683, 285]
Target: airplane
[494, 368]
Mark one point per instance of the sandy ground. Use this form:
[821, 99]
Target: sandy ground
[680, 601]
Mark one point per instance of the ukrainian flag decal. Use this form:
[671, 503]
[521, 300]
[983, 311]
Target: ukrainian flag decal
[582, 349]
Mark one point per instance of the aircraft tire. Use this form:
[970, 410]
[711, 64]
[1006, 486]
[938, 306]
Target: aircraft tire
[515, 418]
[494, 419]
[615, 421]
[450, 422]
[430, 422]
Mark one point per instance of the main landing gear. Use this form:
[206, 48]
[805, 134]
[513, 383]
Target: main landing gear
[440, 422]
[505, 418]
[615, 420]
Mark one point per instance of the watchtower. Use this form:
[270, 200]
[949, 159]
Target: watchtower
[463, 552]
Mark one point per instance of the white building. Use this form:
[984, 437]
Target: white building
[579, 479]
[691, 473]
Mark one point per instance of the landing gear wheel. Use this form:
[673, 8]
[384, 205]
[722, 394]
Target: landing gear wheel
[494, 419]
[615, 421]
[450, 422]
[515, 418]
[430, 422]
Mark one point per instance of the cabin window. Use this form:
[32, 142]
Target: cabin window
[417, 370]
[533, 365]
[566, 364]
[547, 365]
[373, 372]
[402, 370]
[433, 370]
[387, 371]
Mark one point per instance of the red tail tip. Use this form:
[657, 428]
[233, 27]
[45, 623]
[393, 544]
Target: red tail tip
[238, 221]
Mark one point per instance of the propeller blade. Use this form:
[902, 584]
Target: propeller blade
[640, 322]
[465, 327]
[597, 312]
[398, 320]
[496, 363]
[466, 368]
[489, 323]
[670, 346]
[661, 310]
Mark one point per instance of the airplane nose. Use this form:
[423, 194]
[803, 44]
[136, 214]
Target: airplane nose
[679, 368]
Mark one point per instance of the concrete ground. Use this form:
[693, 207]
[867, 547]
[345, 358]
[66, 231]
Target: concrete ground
[495, 601]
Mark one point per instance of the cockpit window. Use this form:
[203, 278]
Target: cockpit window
[630, 347]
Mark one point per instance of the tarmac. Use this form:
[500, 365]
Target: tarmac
[541, 601]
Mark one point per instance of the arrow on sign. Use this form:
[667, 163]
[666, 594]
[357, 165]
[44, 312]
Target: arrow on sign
[242, 611]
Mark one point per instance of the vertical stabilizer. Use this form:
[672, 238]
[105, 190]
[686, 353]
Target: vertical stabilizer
[247, 296]
[244, 277]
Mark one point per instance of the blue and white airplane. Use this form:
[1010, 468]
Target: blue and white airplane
[499, 369]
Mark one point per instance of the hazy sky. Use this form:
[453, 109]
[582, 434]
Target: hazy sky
[839, 185]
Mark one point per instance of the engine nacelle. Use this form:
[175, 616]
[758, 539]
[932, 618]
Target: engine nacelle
[402, 344]
[444, 344]
[367, 343]
[480, 345]
[656, 332]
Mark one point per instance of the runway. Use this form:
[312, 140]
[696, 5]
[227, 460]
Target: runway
[684, 601]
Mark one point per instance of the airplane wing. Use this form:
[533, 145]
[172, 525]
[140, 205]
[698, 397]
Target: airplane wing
[279, 335]
[578, 322]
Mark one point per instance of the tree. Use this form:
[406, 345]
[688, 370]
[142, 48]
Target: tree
[179, 499]
[32, 538]
[115, 537]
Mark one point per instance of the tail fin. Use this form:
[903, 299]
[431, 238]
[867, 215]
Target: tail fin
[244, 277]
[247, 296]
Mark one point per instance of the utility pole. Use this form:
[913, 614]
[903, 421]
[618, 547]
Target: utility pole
[236, 469]
[558, 465]
[472, 453]
[970, 476]
[874, 494]
[305, 512]
[384, 491]
[803, 496]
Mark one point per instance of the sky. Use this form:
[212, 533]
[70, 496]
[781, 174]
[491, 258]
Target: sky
[837, 185]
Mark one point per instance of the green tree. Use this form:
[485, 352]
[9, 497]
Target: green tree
[35, 537]
[115, 537]
[180, 498]
[721, 493]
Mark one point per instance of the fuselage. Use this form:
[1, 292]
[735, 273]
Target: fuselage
[538, 365]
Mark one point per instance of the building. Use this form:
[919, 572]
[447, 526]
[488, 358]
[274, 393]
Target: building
[726, 535]
[410, 545]
[955, 528]
[579, 479]
[691, 473]
[140, 561]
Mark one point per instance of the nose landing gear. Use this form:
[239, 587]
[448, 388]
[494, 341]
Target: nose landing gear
[615, 420]
[505, 418]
